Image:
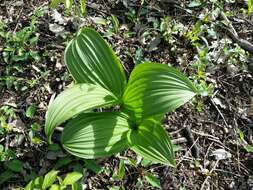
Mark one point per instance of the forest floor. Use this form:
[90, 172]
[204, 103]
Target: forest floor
[209, 41]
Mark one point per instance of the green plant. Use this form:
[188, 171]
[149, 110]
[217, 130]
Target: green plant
[49, 181]
[152, 180]
[20, 45]
[169, 28]
[69, 5]
[139, 104]
[250, 7]
[120, 174]
[7, 113]
[243, 142]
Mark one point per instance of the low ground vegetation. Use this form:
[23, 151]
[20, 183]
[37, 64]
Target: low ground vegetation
[210, 42]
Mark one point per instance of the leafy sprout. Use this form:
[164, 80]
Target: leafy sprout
[151, 91]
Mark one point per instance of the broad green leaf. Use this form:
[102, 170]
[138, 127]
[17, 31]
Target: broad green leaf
[151, 141]
[74, 100]
[153, 180]
[49, 179]
[29, 186]
[154, 89]
[146, 163]
[94, 135]
[91, 60]
[38, 182]
[71, 178]
[30, 111]
[15, 165]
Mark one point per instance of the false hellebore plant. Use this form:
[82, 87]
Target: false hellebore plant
[151, 91]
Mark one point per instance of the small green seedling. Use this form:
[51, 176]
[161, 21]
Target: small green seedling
[18, 47]
[21, 45]
[69, 5]
[151, 91]
[53, 181]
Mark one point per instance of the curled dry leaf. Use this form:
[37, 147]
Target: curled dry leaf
[221, 154]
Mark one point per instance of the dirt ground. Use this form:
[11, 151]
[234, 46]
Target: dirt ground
[213, 132]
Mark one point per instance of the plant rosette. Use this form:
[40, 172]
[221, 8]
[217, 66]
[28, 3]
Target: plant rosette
[151, 90]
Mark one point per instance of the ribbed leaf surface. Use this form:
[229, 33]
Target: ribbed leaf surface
[154, 89]
[95, 135]
[90, 59]
[151, 141]
[74, 100]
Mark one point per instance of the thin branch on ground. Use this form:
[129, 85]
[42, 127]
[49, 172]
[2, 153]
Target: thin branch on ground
[244, 44]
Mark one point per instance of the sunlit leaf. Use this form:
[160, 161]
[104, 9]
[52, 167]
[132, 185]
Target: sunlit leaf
[68, 4]
[94, 135]
[154, 89]
[71, 178]
[151, 141]
[250, 6]
[49, 179]
[91, 60]
[30, 111]
[83, 6]
[74, 100]
[55, 187]
[153, 180]
[29, 186]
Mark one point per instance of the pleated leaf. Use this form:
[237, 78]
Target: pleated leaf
[154, 89]
[95, 135]
[91, 60]
[75, 100]
[151, 141]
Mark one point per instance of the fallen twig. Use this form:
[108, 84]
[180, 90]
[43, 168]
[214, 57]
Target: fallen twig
[190, 141]
[244, 44]
[183, 158]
